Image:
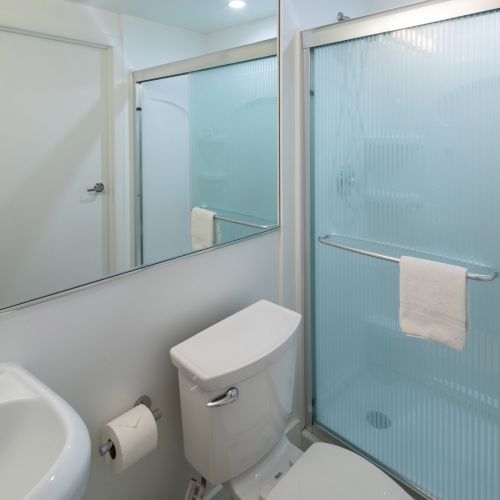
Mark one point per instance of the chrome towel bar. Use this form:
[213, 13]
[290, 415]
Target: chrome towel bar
[243, 223]
[325, 240]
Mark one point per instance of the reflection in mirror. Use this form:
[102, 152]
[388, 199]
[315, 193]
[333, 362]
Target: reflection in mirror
[208, 149]
[131, 133]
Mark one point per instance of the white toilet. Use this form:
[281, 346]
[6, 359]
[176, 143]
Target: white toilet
[236, 383]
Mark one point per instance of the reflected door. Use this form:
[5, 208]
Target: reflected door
[406, 161]
[54, 147]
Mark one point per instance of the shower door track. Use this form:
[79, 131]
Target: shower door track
[409, 16]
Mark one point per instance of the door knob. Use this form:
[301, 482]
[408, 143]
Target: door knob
[98, 188]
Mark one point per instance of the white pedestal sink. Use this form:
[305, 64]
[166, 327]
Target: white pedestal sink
[44, 444]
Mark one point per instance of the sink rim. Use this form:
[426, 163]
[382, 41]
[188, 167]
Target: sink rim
[68, 473]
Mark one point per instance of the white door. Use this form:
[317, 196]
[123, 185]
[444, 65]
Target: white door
[53, 146]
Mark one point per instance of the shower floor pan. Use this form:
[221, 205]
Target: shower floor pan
[444, 446]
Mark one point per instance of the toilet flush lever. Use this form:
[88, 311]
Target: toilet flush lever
[231, 396]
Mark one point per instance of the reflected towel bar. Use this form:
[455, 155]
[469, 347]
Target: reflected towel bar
[243, 223]
[325, 240]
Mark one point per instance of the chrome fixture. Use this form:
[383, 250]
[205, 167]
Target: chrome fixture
[231, 396]
[341, 17]
[105, 447]
[98, 188]
[143, 400]
[325, 240]
[249, 52]
[243, 223]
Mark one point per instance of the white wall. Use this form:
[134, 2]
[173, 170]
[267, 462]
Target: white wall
[103, 346]
[243, 34]
[149, 44]
[60, 18]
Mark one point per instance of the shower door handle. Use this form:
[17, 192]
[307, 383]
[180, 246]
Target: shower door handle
[231, 396]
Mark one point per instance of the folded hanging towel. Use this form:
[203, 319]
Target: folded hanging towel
[204, 230]
[433, 301]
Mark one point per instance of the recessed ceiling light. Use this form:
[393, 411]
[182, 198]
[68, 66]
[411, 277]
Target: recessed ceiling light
[237, 4]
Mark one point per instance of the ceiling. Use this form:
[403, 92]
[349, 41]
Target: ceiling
[204, 16]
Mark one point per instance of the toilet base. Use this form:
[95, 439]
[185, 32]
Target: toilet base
[259, 480]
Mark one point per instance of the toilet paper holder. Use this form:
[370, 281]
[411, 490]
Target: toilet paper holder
[143, 400]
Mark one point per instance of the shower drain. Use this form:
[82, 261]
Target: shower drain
[378, 420]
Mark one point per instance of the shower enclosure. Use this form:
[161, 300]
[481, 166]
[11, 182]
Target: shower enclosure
[405, 160]
[207, 138]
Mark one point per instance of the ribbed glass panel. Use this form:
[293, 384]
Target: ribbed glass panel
[234, 136]
[406, 161]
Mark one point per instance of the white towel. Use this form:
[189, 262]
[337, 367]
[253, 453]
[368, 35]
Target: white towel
[204, 230]
[433, 301]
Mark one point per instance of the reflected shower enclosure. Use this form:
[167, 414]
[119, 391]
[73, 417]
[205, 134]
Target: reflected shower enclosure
[207, 136]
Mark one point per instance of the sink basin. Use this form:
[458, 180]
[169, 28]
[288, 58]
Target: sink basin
[44, 444]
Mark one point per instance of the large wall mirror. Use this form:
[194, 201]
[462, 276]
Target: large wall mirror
[132, 133]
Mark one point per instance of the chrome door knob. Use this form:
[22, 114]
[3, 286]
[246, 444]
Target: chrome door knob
[98, 188]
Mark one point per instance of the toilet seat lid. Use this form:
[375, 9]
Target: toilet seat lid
[334, 473]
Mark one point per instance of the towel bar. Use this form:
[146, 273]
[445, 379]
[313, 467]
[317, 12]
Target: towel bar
[325, 240]
[243, 223]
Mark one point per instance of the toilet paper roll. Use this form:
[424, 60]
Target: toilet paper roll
[134, 434]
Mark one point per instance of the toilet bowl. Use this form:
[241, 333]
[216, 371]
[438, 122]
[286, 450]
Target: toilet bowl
[326, 471]
[236, 382]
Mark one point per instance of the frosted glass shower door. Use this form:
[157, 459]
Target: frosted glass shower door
[234, 146]
[406, 161]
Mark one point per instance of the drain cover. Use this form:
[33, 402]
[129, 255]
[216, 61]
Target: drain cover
[378, 419]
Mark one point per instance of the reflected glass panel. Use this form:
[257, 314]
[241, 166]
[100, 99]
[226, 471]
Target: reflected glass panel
[208, 141]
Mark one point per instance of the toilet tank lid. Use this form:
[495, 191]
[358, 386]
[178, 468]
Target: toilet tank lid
[237, 347]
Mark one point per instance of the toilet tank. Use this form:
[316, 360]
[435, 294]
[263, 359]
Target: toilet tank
[253, 351]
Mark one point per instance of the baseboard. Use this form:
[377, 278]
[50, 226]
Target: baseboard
[213, 492]
[293, 432]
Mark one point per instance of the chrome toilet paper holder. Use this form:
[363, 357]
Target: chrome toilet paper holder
[143, 400]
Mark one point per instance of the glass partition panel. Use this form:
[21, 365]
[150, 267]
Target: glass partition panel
[406, 156]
